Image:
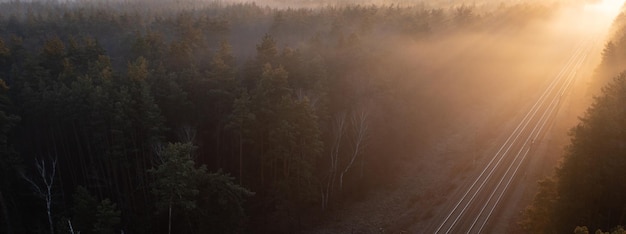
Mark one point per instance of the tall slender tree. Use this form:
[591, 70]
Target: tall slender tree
[176, 179]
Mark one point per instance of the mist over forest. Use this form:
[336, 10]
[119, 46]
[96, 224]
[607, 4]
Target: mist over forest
[264, 117]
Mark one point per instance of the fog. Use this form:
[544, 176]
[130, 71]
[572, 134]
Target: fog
[489, 72]
[471, 88]
[282, 114]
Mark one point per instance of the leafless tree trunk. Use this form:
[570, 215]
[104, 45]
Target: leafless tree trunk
[158, 150]
[360, 126]
[187, 134]
[337, 134]
[69, 224]
[45, 191]
[169, 218]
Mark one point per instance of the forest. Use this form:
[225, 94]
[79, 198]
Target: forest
[586, 193]
[159, 117]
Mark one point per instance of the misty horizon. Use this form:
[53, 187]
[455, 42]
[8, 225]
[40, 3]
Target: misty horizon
[277, 116]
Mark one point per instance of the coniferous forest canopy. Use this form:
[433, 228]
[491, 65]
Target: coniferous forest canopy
[159, 117]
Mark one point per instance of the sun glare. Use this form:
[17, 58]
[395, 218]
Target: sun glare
[608, 7]
[598, 16]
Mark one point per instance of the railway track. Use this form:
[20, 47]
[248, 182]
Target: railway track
[478, 201]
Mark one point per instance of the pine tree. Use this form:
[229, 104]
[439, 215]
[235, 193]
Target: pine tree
[221, 204]
[240, 123]
[52, 56]
[176, 179]
[8, 157]
[107, 218]
[267, 51]
[84, 210]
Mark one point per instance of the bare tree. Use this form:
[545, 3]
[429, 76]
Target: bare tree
[157, 149]
[187, 134]
[44, 191]
[71, 227]
[360, 127]
[337, 134]
[360, 130]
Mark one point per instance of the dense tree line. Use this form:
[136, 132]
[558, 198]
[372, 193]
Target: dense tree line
[117, 118]
[587, 191]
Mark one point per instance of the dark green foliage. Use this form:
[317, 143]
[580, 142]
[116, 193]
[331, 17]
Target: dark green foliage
[7, 119]
[267, 51]
[176, 178]
[107, 218]
[221, 204]
[581, 230]
[9, 160]
[150, 46]
[585, 230]
[211, 200]
[84, 210]
[589, 186]
[251, 90]
[539, 217]
[240, 124]
[593, 162]
[52, 56]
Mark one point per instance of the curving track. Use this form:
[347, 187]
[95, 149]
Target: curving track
[474, 208]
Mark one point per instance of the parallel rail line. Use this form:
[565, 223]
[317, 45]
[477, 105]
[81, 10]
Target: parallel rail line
[472, 212]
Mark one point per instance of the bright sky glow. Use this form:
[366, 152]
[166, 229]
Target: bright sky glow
[609, 7]
[597, 17]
